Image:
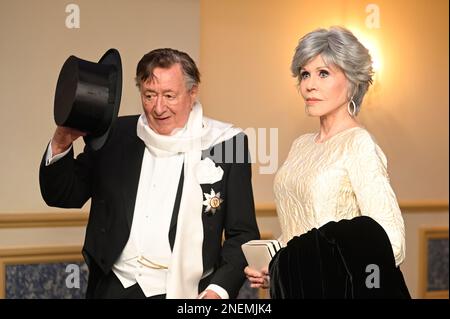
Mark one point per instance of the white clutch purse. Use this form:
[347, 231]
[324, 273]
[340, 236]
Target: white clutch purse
[259, 252]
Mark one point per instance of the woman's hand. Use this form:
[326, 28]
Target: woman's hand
[258, 279]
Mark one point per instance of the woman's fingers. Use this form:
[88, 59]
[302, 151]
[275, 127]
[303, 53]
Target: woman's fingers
[258, 279]
[255, 273]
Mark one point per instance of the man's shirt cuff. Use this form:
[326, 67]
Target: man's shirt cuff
[50, 159]
[219, 290]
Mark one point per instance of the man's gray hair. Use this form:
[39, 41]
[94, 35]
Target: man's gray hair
[165, 58]
[337, 46]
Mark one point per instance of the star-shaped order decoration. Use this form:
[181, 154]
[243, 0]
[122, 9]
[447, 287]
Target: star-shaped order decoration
[212, 202]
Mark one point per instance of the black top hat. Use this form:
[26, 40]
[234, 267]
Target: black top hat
[87, 96]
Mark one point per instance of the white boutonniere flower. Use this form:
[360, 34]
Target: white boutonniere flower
[207, 172]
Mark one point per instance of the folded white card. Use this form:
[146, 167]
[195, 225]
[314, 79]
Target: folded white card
[259, 252]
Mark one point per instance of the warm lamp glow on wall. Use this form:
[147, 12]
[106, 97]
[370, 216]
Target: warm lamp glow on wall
[376, 58]
[368, 38]
[371, 43]
[375, 53]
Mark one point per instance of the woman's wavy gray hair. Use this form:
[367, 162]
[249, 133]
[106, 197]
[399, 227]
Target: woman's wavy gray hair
[337, 46]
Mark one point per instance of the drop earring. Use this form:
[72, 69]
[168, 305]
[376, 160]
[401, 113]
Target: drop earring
[351, 108]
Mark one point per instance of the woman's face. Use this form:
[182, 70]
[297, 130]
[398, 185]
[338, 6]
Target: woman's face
[323, 87]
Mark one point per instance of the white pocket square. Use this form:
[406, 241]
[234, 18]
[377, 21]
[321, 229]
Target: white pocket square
[207, 172]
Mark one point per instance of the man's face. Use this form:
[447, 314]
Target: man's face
[166, 101]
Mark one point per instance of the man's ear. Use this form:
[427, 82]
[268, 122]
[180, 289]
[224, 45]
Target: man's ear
[194, 93]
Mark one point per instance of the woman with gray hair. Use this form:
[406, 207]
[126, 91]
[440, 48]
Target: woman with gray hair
[340, 172]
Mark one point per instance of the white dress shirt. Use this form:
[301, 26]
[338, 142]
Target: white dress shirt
[147, 253]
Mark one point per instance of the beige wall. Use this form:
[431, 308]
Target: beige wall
[35, 42]
[246, 49]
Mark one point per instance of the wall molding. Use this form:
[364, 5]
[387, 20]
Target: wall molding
[424, 206]
[31, 251]
[419, 206]
[79, 219]
[266, 210]
[53, 219]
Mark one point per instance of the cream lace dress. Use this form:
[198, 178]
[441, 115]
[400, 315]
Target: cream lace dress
[341, 178]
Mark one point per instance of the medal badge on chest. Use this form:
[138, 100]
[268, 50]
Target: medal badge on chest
[212, 202]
